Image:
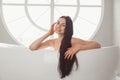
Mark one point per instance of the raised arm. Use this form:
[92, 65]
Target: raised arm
[39, 44]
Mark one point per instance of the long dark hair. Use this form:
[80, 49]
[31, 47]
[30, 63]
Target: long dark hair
[65, 65]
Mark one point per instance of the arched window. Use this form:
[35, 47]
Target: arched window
[27, 20]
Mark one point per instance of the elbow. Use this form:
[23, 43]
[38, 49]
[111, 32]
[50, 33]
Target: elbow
[31, 48]
[96, 44]
[99, 46]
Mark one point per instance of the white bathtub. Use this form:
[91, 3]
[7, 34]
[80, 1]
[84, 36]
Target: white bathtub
[19, 63]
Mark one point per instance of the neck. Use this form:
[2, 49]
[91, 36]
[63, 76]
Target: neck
[60, 37]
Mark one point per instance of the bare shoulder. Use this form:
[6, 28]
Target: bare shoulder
[78, 40]
[51, 41]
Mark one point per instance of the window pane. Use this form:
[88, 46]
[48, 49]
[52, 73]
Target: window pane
[68, 2]
[19, 25]
[90, 2]
[65, 11]
[13, 1]
[40, 16]
[39, 1]
[13, 13]
[90, 14]
[30, 35]
[83, 29]
[27, 25]
[15, 19]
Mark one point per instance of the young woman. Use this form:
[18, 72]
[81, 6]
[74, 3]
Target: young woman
[67, 45]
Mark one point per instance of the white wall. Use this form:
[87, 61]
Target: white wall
[105, 33]
[117, 22]
[117, 25]
[4, 36]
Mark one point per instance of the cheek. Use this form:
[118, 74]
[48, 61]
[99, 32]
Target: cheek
[63, 28]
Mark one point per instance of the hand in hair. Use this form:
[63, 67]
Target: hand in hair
[85, 45]
[71, 52]
[51, 31]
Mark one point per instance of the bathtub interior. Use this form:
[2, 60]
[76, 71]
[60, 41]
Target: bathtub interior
[19, 63]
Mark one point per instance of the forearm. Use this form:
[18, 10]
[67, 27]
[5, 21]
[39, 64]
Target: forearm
[91, 45]
[38, 42]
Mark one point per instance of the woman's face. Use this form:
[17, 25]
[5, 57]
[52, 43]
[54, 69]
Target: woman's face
[60, 26]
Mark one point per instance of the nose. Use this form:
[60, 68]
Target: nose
[58, 26]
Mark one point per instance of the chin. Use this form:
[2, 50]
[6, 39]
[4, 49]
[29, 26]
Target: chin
[59, 33]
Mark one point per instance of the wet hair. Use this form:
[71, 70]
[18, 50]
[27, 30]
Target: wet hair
[65, 65]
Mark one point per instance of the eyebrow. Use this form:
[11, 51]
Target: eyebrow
[62, 23]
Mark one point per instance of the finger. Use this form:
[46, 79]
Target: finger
[72, 56]
[68, 57]
[53, 23]
[68, 51]
[52, 26]
[66, 54]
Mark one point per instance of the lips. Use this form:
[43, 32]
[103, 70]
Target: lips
[58, 30]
